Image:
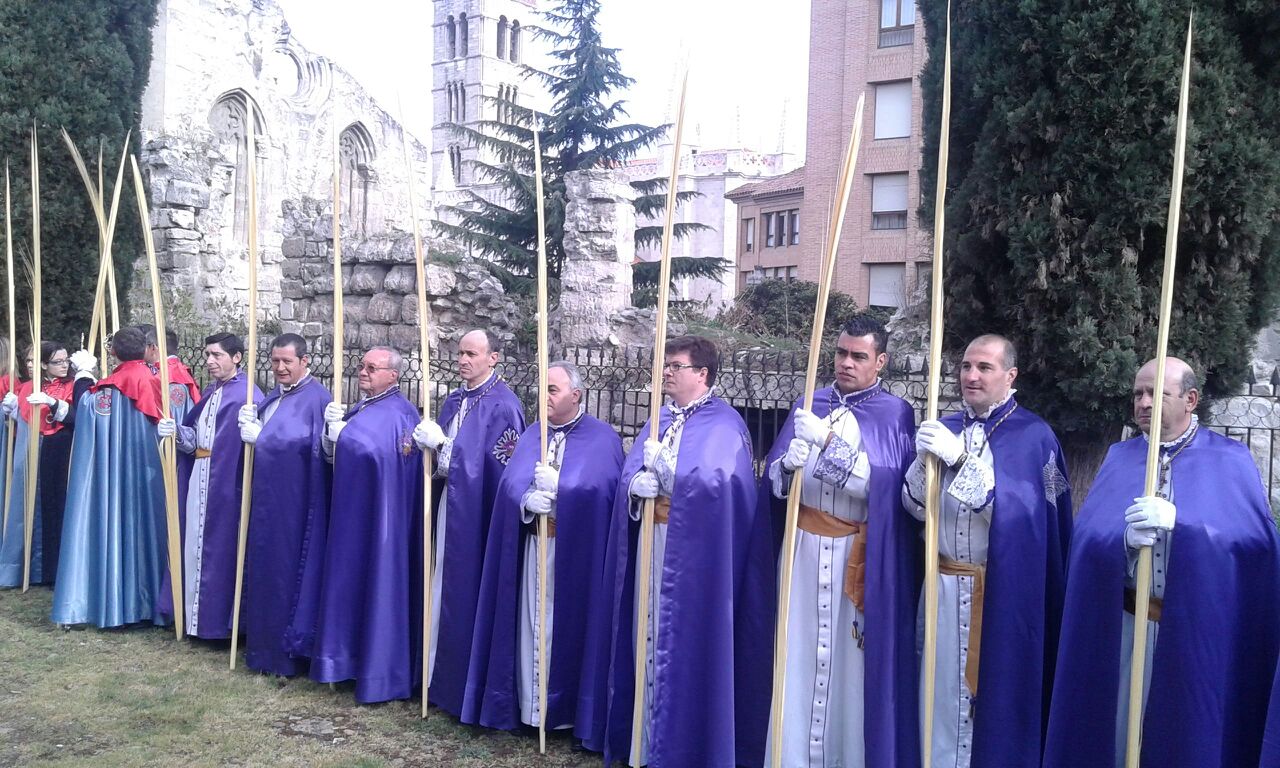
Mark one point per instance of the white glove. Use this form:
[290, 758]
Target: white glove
[546, 478]
[644, 485]
[333, 429]
[933, 437]
[247, 413]
[651, 450]
[249, 432]
[334, 412]
[428, 435]
[40, 398]
[797, 454]
[9, 404]
[1147, 517]
[166, 427]
[811, 429]
[539, 502]
[84, 362]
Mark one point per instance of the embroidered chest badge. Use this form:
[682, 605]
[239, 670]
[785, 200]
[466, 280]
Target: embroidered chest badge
[406, 442]
[505, 446]
[102, 403]
[177, 395]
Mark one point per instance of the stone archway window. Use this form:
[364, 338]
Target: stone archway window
[462, 103]
[451, 33]
[515, 42]
[356, 154]
[502, 37]
[451, 89]
[455, 162]
[228, 120]
[464, 42]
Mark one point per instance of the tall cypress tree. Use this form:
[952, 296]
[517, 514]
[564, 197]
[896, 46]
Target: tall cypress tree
[1062, 133]
[82, 65]
[584, 129]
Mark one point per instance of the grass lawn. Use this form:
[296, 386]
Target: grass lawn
[138, 697]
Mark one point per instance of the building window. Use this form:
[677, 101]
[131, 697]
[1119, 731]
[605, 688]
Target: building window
[793, 224]
[502, 37]
[897, 22]
[462, 33]
[451, 33]
[887, 283]
[889, 201]
[893, 110]
[229, 121]
[748, 235]
[515, 42]
[462, 103]
[793, 274]
[770, 230]
[455, 163]
[355, 153]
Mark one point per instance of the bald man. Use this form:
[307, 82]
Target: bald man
[1005, 525]
[1213, 626]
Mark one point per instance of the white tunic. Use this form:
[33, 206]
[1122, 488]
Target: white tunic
[437, 573]
[963, 533]
[822, 725]
[197, 509]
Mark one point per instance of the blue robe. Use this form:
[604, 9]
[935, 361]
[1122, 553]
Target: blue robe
[592, 463]
[11, 548]
[481, 449]
[891, 717]
[287, 526]
[1025, 583]
[113, 534]
[713, 651]
[1220, 622]
[369, 624]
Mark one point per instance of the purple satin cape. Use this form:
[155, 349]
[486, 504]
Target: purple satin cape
[1026, 582]
[222, 517]
[1271, 737]
[711, 705]
[481, 450]
[287, 527]
[369, 622]
[588, 481]
[891, 715]
[1219, 627]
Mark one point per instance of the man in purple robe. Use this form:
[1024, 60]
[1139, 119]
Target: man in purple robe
[711, 600]
[1004, 529]
[290, 512]
[574, 490]
[1213, 624]
[851, 658]
[369, 622]
[210, 478]
[482, 422]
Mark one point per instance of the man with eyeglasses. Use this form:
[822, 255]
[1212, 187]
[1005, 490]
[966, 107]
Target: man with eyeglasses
[1004, 528]
[369, 615]
[210, 478]
[290, 513]
[1213, 622]
[483, 420]
[711, 597]
[851, 658]
[574, 490]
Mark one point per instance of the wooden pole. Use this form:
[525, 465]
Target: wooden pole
[932, 472]
[13, 353]
[1142, 599]
[167, 445]
[251, 369]
[544, 360]
[33, 431]
[844, 183]
[339, 319]
[424, 312]
[644, 574]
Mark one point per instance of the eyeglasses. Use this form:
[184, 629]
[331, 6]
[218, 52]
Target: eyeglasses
[677, 367]
[372, 369]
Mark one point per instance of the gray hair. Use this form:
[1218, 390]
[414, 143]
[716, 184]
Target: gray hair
[570, 370]
[1010, 353]
[395, 361]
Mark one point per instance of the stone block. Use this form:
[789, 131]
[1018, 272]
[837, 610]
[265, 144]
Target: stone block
[383, 308]
[404, 338]
[354, 309]
[441, 280]
[288, 309]
[312, 329]
[183, 246]
[183, 234]
[291, 289]
[409, 309]
[401, 279]
[186, 194]
[294, 247]
[371, 335]
[368, 278]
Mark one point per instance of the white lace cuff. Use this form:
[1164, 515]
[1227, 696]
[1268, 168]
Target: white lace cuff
[974, 485]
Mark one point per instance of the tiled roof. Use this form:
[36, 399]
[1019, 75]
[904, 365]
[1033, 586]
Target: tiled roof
[787, 183]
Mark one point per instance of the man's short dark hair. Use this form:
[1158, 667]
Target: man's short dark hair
[491, 339]
[47, 348]
[298, 343]
[229, 342]
[1010, 353]
[702, 353]
[171, 341]
[148, 332]
[866, 325]
[129, 343]
[1189, 380]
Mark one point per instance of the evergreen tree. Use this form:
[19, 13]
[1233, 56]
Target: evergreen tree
[585, 129]
[1061, 159]
[82, 65]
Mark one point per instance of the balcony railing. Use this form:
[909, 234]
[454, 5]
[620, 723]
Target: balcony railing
[891, 38]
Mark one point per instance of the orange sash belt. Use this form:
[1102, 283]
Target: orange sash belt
[662, 509]
[978, 573]
[815, 521]
[203, 453]
[1154, 608]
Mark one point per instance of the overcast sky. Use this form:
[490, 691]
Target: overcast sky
[748, 60]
